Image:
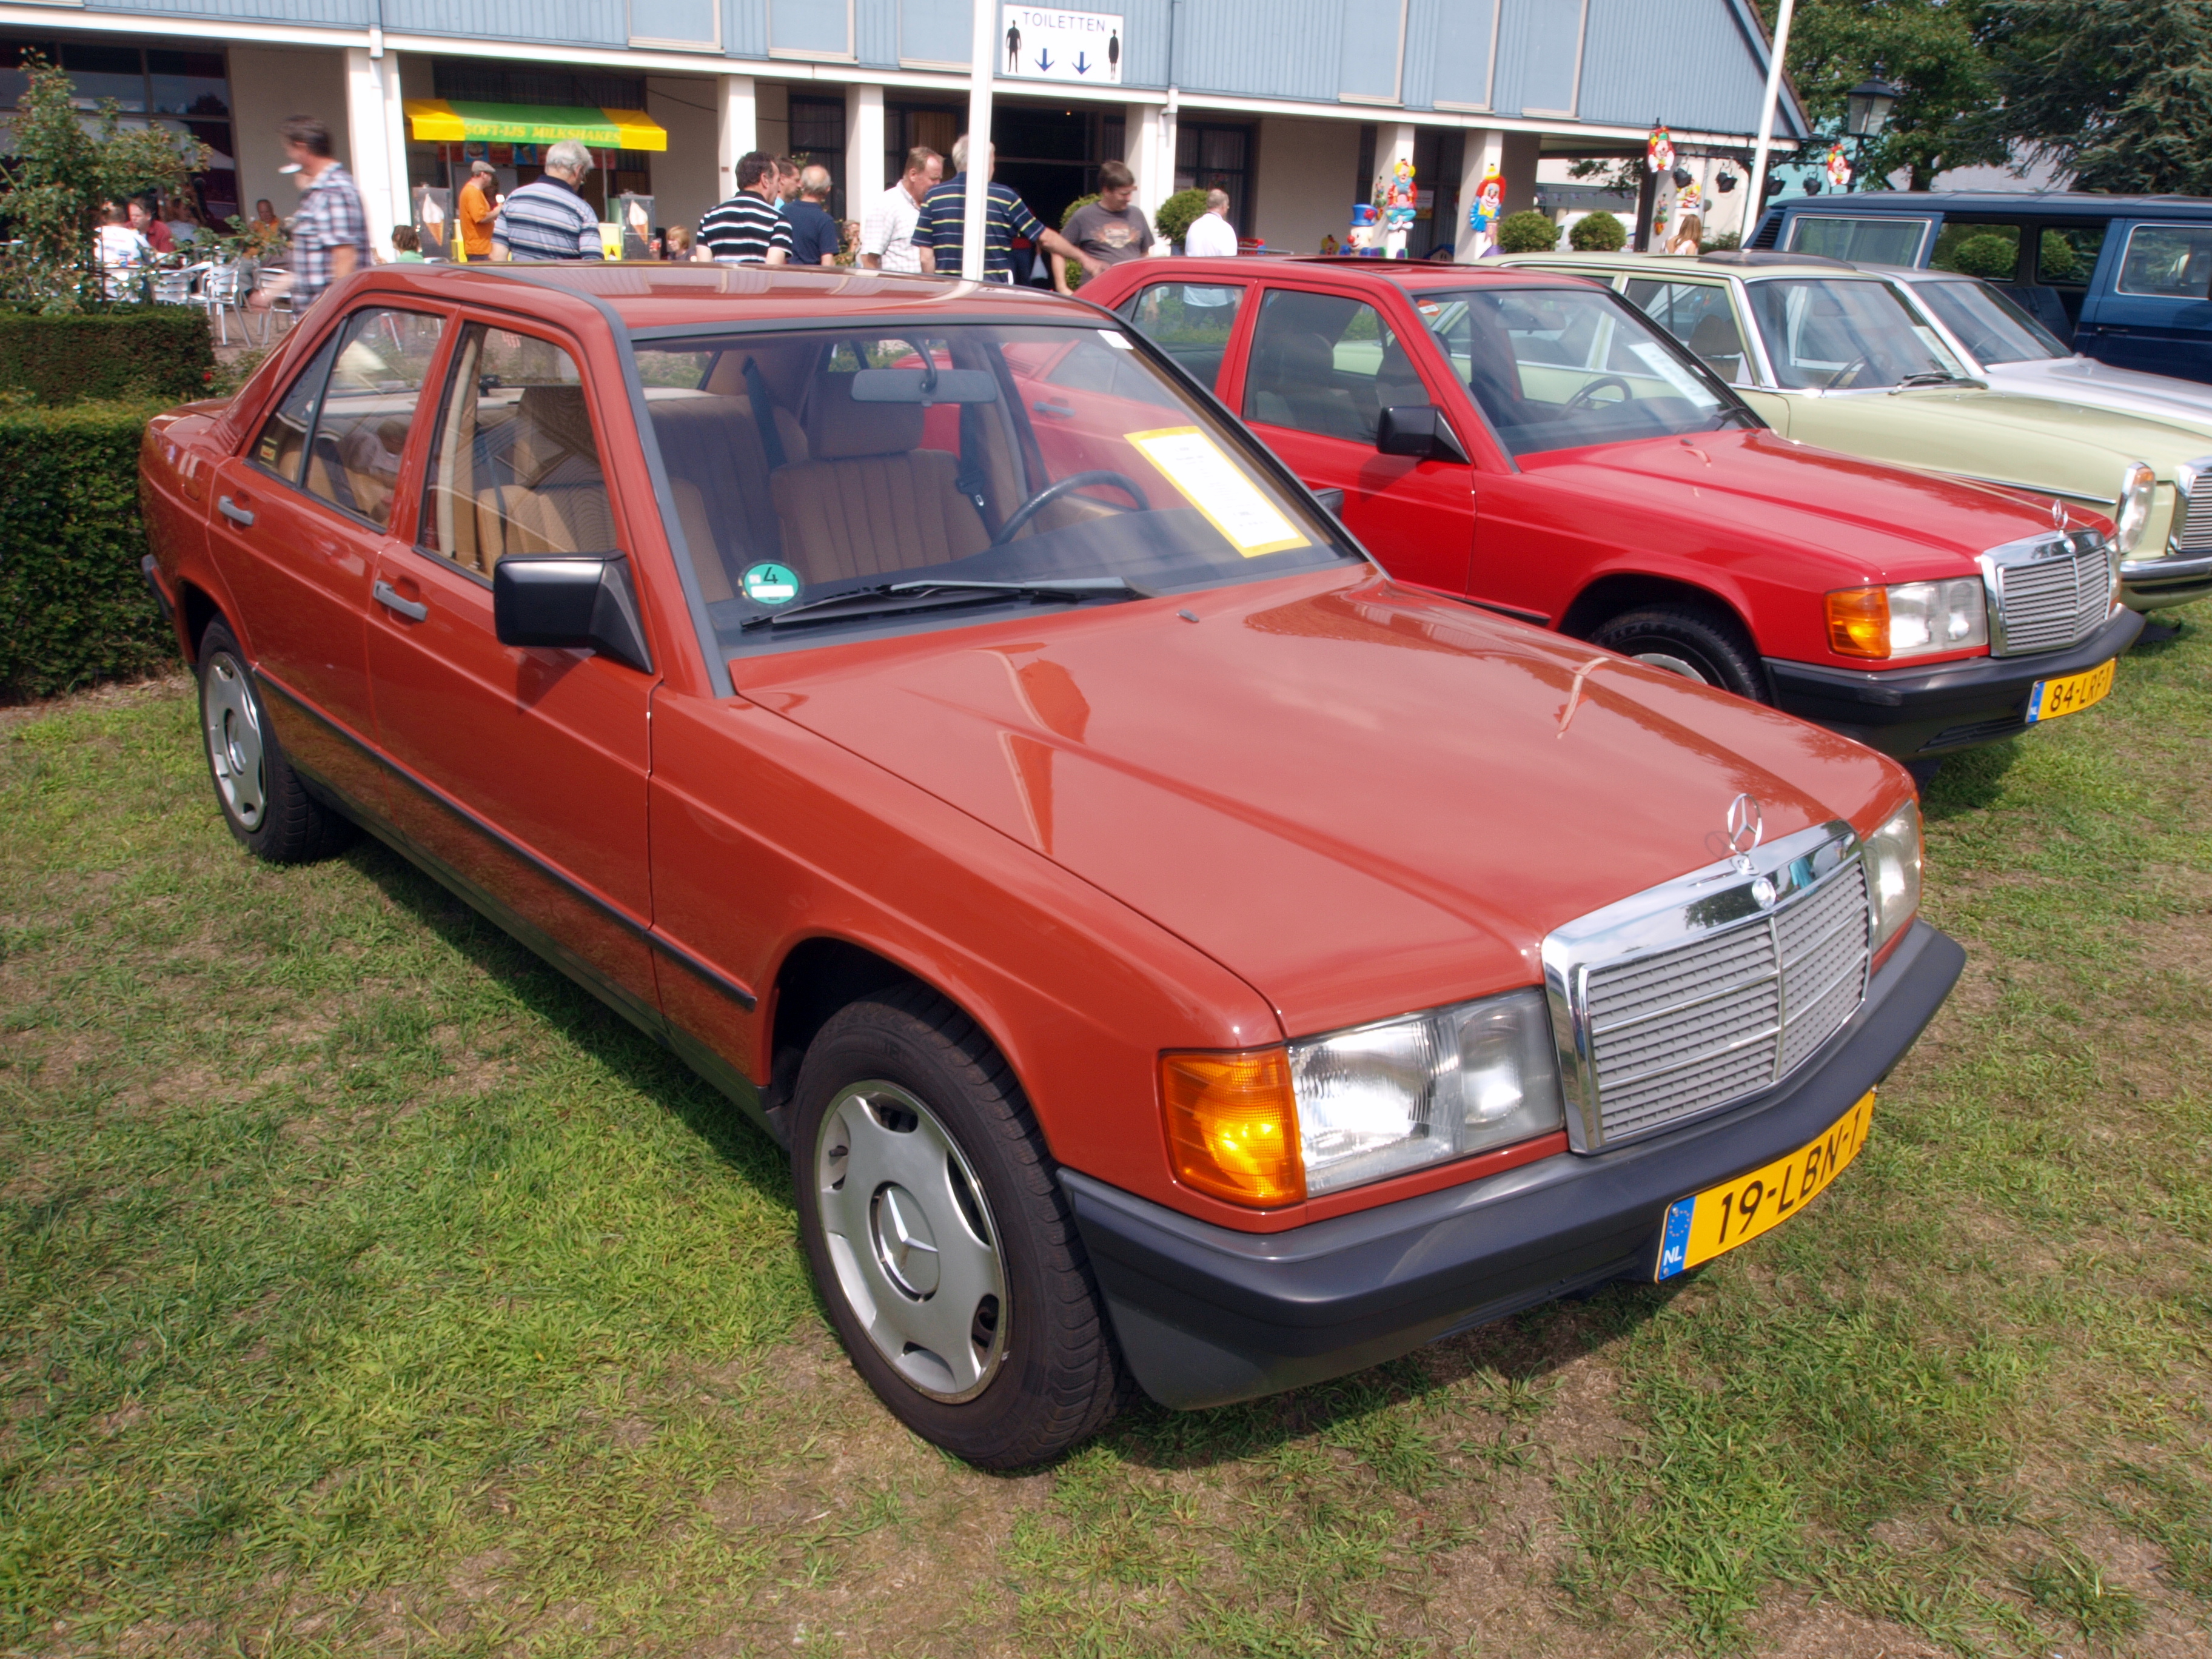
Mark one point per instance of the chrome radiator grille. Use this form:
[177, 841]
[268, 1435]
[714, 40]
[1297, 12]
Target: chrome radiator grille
[2194, 534]
[1651, 1037]
[2054, 600]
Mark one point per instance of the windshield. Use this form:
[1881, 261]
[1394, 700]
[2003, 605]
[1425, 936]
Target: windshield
[806, 466]
[1834, 334]
[1991, 327]
[1557, 367]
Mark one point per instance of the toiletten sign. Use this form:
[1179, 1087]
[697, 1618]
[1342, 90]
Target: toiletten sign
[1043, 43]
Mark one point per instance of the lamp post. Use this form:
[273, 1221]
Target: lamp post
[1866, 111]
[1755, 206]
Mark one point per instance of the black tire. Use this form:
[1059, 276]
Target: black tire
[262, 799]
[1694, 640]
[1052, 1376]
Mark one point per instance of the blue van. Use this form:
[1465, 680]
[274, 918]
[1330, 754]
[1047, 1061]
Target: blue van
[2125, 278]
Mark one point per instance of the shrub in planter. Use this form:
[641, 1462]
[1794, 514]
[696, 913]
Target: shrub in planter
[1598, 233]
[70, 541]
[1526, 232]
[1178, 213]
[109, 353]
[1990, 257]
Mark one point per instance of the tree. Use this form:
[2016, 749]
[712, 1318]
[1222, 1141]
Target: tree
[2116, 91]
[1930, 50]
[54, 186]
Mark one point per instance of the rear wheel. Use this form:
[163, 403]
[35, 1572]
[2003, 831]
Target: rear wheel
[939, 1237]
[263, 800]
[1693, 640]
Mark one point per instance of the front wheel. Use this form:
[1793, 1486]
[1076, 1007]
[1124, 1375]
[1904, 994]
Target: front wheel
[939, 1237]
[1692, 640]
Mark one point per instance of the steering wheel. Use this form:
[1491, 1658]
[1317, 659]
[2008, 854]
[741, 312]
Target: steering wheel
[1052, 492]
[1585, 399]
[1848, 375]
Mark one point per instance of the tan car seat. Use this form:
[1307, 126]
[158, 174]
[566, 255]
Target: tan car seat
[718, 471]
[869, 501]
[558, 501]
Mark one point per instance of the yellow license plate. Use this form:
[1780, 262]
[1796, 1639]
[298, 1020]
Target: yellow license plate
[1705, 1224]
[2070, 696]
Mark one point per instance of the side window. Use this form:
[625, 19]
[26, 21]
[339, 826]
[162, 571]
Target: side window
[1190, 322]
[1327, 365]
[283, 439]
[2066, 254]
[1698, 314]
[515, 468]
[1858, 236]
[1987, 251]
[368, 408]
[2169, 262]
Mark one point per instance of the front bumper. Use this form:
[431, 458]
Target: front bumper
[1206, 1316]
[1911, 711]
[2154, 584]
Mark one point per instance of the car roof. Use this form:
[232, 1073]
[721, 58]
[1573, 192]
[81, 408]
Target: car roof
[2063, 203]
[1757, 264]
[1409, 274]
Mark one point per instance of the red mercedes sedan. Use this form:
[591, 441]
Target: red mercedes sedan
[1171, 951]
[1538, 445]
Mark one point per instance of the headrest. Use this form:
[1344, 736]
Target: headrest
[837, 428]
[551, 424]
[1297, 354]
[1714, 333]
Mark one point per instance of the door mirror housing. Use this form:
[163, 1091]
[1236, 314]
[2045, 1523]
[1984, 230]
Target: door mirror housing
[1331, 502]
[575, 604]
[1419, 430]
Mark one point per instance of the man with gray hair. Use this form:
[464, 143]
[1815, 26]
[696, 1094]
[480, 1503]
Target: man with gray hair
[546, 219]
[812, 233]
[1211, 236]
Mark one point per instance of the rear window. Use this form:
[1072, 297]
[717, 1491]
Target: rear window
[1860, 237]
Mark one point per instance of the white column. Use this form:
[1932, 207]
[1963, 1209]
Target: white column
[864, 148]
[372, 111]
[736, 131]
[982, 63]
[1141, 145]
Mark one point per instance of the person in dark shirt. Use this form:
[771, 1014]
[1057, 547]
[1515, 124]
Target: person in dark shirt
[811, 231]
[944, 214]
[1110, 229]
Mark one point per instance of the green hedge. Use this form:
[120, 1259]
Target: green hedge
[131, 353]
[77, 611]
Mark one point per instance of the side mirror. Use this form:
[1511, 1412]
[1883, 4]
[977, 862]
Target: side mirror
[1419, 430]
[581, 603]
[1331, 502]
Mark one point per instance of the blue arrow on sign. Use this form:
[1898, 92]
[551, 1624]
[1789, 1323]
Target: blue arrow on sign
[1082, 66]
[1045, 60]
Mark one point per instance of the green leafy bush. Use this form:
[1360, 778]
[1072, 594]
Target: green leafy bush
[1526, 232]
[112, 353]
[1179, 212]
[70, 541]
[1990, 256]
[2060, 261]
[1598, 233]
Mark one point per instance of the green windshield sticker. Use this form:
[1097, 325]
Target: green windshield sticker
[771, 584]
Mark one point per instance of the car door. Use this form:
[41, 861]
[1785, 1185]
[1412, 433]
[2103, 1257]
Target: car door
[2156, 314]
[523, 770]
[1321, 369]
[298, 570]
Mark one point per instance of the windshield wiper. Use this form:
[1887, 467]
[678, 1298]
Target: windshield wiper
[1934, 377]
[887, 599]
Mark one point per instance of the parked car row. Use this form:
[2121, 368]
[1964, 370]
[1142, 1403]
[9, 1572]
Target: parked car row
[1175, 949]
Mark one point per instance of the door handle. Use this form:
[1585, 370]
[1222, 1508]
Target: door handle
[233, 511]
[1061, 411]
[388, 597]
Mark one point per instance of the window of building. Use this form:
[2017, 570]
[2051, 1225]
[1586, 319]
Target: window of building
[186, 92]
[1216, 157]
[817, 134]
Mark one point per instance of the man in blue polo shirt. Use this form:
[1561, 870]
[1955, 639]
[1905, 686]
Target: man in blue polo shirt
[944, 217]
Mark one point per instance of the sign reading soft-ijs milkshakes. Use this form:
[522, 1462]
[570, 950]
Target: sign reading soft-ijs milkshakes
[1044, 43]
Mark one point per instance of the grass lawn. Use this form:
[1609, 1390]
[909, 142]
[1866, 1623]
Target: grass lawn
[364, 1287]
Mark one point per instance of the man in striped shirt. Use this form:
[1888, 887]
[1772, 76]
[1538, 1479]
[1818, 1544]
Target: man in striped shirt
[944, 216]
[742, 229]
[546, 219]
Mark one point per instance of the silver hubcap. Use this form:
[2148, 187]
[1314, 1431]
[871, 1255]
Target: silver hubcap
[1673, 665]
[912, 1243]
[234, 740]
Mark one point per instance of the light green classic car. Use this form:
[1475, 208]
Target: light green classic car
[1835, 356]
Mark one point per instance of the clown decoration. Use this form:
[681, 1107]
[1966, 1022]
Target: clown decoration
[1365, 236]
[1482, 216]
[1394, 194]
[1659, 150]
[1690, 230]
[1839, 166]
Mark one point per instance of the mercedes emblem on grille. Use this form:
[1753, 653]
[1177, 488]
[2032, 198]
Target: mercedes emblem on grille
[1747, 827]
[2058, 519]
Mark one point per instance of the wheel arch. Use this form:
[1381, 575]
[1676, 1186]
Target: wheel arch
[196, 608]
[1613, 593]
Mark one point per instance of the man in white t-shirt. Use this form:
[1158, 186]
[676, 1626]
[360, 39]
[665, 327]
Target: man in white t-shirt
[1210, 236]
[887, 231]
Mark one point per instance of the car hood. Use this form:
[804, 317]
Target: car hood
[1360, 798]
[2184, 406]
[1769, 488]
[2084, 427]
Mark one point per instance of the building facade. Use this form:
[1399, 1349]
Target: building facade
[1292, 107]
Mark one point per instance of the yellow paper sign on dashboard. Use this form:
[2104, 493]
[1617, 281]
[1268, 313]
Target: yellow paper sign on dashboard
[1190, 460]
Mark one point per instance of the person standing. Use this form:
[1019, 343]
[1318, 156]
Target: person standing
[1211, 236]
[808, 235]
[478, 209]
[123, 253]
[944, 218]
[546, 219]
[887, 232]
[330, 232]
[1111, 229]
[742, 230]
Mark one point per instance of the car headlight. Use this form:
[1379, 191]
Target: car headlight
[1269, 1127]
[2132, 512]
[1910, 619]
[1893, 867]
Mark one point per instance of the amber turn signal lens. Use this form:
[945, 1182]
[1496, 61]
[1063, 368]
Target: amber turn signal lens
[1233, 1125]
[1858, 621]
